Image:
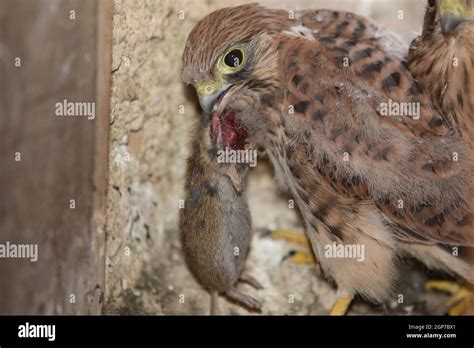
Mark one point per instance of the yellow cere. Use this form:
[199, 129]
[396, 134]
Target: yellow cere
[209, 87]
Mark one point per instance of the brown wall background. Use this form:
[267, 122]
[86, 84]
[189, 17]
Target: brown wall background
[62, 158]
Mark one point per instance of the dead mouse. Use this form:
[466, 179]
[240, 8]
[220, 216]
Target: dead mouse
[215, 222]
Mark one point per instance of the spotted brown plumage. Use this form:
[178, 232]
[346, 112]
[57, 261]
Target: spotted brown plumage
[442, 60]
[312, 92]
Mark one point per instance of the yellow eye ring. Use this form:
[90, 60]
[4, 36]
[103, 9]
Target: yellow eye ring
[232, 60]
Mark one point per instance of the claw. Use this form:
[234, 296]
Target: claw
[291, 237]
[300, 240]
[244, 299]
[301, 258]
[442, 285]
[460, 297]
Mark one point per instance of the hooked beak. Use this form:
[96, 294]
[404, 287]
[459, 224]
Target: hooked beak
[207, 100]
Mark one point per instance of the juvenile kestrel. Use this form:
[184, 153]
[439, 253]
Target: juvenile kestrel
[353, 137]
[442, 60]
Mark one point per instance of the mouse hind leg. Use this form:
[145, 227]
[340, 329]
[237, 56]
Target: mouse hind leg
[246, 300]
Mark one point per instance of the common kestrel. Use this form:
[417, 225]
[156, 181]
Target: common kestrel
[350, 133]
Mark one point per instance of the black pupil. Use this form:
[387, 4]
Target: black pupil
[233, 58]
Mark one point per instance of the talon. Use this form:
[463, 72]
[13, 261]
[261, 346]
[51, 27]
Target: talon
[442, 285]
[291, 237]
[460, 298]
[300, 258]
[297, 239]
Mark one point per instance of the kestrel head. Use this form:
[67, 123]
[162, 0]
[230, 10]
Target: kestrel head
[229, 61]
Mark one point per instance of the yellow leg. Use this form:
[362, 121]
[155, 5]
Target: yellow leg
[307, 257]
[294, 238]
[299, 257]
[341, 305]
[442, 285]
[460, 295]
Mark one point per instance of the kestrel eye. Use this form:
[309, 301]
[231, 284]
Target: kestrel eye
[234, 58]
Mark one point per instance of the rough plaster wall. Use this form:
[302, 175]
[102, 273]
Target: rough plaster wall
[145, 271]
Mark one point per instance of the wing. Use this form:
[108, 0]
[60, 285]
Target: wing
[411, 167]
[351, 26]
